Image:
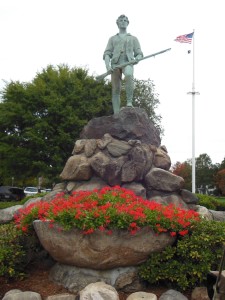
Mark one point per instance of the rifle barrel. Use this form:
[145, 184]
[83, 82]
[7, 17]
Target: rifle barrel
[133, 62]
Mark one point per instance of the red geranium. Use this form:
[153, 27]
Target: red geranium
[107, 209]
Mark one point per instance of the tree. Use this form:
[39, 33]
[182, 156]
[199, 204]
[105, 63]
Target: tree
[146, 98]
[222, 165]
[40, 121]
[183, 170]
[204, 171]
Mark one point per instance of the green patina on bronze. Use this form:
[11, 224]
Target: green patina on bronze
[122, 52]
[121, 48]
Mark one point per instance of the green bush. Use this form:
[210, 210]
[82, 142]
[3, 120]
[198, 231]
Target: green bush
[12, 253]
[17, 250]
[207, 201]
[186, 264]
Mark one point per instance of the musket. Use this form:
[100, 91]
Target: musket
[132, 62]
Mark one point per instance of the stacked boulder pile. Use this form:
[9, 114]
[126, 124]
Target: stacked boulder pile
[124, 149]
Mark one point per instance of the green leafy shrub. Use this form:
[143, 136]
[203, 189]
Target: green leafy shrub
[12, 253]
[17, 250]
[187, 263]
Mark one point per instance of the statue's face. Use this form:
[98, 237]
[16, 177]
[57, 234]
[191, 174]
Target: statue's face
[122, 23]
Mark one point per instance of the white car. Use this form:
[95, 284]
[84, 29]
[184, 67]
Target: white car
[30, 190]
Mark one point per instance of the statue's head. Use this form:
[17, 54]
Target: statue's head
[122, 17]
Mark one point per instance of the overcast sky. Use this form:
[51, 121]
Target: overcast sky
[36, 33]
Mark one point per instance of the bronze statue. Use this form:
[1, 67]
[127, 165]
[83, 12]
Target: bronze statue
[122, 48]
[122, 52]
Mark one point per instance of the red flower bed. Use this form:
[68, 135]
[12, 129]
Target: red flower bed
[106, 209]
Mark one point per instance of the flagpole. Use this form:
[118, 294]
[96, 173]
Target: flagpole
[193, 93]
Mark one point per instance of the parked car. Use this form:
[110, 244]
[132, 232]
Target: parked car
[11, 193]
[30, 190]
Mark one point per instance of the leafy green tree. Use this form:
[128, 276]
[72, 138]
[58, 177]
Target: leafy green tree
[222, 165]
[146, 98]
[40, 120]
[204, 171]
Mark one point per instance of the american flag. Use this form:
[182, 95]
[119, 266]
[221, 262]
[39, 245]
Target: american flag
[185, 38]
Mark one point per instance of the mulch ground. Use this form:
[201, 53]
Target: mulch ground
[38, 281]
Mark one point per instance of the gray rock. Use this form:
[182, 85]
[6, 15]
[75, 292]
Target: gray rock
[188, 197]
[107, 168]
[18, 295]
[59, 187]
[163, 180]
[32, 200]
[62, 297]
[117, 148]
[106, 139]
[128, 124]
[6, 214]
[98, 291]
[135, 168]
[172, 295]
[11, 292]
[129, 281]
[73, 185]
[162, 159]
[142, 296]
[112, 173]
[79, 146]
[75, 279]
[174, 199]
[90, 147]
[100, 250]
[204, 212]
[99, 162]
[92, 184]
[218, 215]
[137, 188]
[77, 168]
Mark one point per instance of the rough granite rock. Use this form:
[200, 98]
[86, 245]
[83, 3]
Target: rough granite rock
[128, 124]
[100, 250]
[98, 291]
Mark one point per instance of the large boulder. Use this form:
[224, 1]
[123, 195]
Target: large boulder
[163, 180]
[128, 124]
[100, 250]
[74, 278]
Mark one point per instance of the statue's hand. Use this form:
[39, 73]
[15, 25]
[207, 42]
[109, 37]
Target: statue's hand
[137, 58]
